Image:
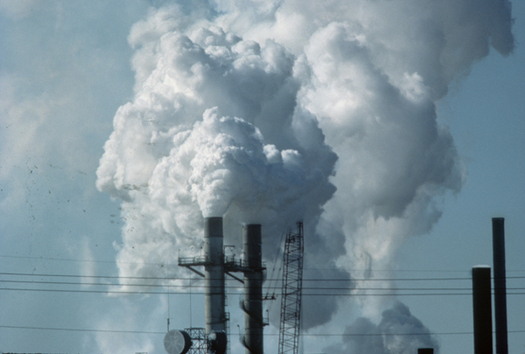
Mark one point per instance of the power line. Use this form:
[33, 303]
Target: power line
[265, 334]
[305, 269]
[319, 290]
[69, 260]
[309, 290]
[148, 292]
[203, 286]
[305, 280]
[81, 330]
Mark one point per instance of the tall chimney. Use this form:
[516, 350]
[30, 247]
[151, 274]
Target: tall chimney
[425, 351]
[214, 276]
[500, 287]
[253, 280]
[481, 298]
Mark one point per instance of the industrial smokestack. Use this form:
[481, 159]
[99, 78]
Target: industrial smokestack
[425, 351]
[500, 287]
[253, 280]
[214, 276]
[481, 298]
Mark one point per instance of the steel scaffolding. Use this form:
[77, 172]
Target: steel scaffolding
[290, 330]
[199, 340]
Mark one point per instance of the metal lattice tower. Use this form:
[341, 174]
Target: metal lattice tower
[199, 339]
[290, 330]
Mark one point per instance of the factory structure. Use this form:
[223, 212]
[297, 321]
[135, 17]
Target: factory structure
[482, 297]
[214, 338]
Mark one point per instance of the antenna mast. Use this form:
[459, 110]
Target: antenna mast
[290, 330]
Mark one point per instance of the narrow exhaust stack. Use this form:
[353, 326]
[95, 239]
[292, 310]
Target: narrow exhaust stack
[481, 299]
[500, 286]
[425, 351]
[214, 294]
[214, 276]
[253, 280]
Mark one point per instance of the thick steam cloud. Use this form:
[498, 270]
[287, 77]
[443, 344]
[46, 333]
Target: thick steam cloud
[214, 129]
[271, 112]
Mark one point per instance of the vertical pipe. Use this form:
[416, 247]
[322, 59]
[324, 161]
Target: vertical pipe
[425, 351]
[214, 276]
[481, 298]
[500, 287]
[253, 279]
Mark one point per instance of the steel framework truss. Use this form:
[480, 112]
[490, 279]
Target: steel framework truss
[290, 330]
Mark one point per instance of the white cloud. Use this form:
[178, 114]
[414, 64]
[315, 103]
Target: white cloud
[303, 90]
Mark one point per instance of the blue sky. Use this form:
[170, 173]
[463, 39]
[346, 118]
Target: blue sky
[65, 70]
[485, 114]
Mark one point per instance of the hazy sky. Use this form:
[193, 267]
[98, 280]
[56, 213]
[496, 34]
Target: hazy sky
[394, 128]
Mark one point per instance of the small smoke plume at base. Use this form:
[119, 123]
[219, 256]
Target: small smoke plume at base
[398, 332]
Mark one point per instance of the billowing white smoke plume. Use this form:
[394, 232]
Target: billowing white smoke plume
[271, 112]
[214, 129]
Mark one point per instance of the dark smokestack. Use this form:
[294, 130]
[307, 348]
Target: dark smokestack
[214, 276]
[425, 351]
[481, 297]
[500, 286]
[253, 280]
